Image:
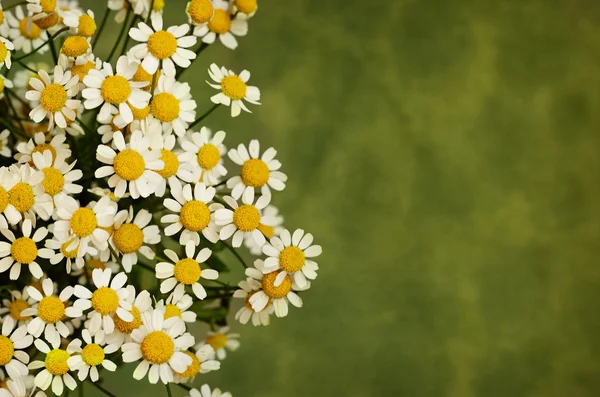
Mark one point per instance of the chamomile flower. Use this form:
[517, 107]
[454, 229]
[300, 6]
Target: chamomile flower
[38, 144]
[203, 361]
[80, 66]
[49, 312]
[76, 46]
[258, 172]
[4, 82]
[58, 175]
[140, 303]
[133, 165]
[60, 245]
[108, 298]
[82, 24]
[290, 253]
[6, 48]
[173, 172]
[223, 25]
[26, 198]
[206, 392]
[4, 148]
[25, 34]
[193, 214]
[221, 340]
[13, 342]
[132, 235]
[185, 272]
[23, 251]
[91, 356]
[245, 7]
[178, 308]
[13, 307]
[244, 220]
[56, 369]
[199, 12]
[160, 344]
[248, 288]
[205, 153]
[268, 231]
[233, 89]
[172, 105]
[115, 92]
[52, 98]
[41, 8]
[166, 47]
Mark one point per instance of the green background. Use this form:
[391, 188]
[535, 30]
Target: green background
[445, 155]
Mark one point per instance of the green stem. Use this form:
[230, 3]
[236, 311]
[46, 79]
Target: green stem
[80, 389]
[11, 128]
[53, 51]
[41, 45]
[166, 384]
[102, 24]
[24, 66]
[161, 259]
[123, 29]
[150, 12]
[200, 48]
[235, 253]
[220, 201]
[183, 386]
[205, 115]
[103, 390]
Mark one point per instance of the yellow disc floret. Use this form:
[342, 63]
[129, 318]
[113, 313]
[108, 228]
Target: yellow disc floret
[51, 309]
[87, 25]
[105, 300]
[53, 181]
[158, 5]
[234, 87]
[165, 107]
[115, 89]
[246, 217]
[129, 164]
[187, 271]
[21, 197]
[208, 156]
[1, 84]
[69, 254]
[75, 46]
[162, 44]
[142, 75]
[246, 6]
[83, 222]
[92, 354]
[199, 11]
[255, 173]
[220, 22]
[194, 215]
[53, 97]
[127, 327]
[7, 350]
[1, 16]
[16, 307]
[29, 30]
[3, 199]
[48, 5]
[157, 347]
[56, 362]
[217, 341]
[47, 22]
[273, 292]
[172, 311]
[139, 114]
[128, 238]
[171, 163]
[267, 231]
[291, 259]
[3, 51]
[82, 70]
[23, 250]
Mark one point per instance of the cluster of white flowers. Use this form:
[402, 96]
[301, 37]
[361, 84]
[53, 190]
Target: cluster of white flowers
[117, 210]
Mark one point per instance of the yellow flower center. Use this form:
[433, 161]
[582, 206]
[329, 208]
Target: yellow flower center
[75, 46]
[7, 350]
[56, 362]
[165, 107]
[246, 217]
[53, 181]
[53, 98]
[208, 156]
[93, 264]
[51, 309]
[105, 300]
[48, 5]
[142, 75]
[162, 44]
[268, 231]
[255, 173]
[41, 148]
[82, 70]
[139, 114]
[1, 15]
[83, 222]
[87, 25]
[158, 5]
[3, 199]
[16, 307]
[21, 197]
[128, 238]
[200, 11]
[234, 87]
[217, 341]
[92, 354]
[246, 6]
[193, 369]
[172, 311]
[47, 22]
[127, 327]
[187, 271]
[291, 259]
[273, 292]
[115, 89]
[194, 215]
[69, 254]
[171, 163]
[129, 165]
[23, 250]
[3, 51]
[157, 347]
[30, 32]
[1, 84]
[220, 22]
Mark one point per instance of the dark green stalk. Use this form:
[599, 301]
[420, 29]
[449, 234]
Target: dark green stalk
[41, 45]
[184, 386]
[150, 12]
[235, 253]
[123, 29]
[205, 115]
[102, 389]
[53, 51]
[11, 128]
[101, 28]
[166, 384]
[24, 66]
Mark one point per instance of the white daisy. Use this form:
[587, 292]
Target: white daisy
[268, 231]
[193, 214]
[223, 25]
[172, 105]
[174, 172]
[233, 89]
[14, 306]
[92, 355]
[185, 272]
[140, 303]
[166, 47]
[249, 287]
[80, 66]
[178, 308]
[6, 48]
[25, 34]
[58, 178]
[27, 198]
[160, 344]
[13, 342]
[108, 298]
[205, 392]
[221, 340]
[55, 366]
[56, 146]
[4, 147]
[81, 23]
[203, 362]
[60, 244]
[23, 251]
[205, 153]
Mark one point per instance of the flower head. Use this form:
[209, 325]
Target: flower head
[205, 155]
[23, 251]
[223, 25]
[233, 89]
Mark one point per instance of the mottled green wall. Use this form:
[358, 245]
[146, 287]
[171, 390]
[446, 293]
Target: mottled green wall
[445, 154]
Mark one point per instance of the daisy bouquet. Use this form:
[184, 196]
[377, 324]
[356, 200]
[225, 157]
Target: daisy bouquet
[120, 210]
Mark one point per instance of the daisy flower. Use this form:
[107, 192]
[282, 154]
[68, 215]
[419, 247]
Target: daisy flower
[172, 105]
[6, 47]
[12, 308]
[80, 66]
[56, 146]
[184, 272]
[257, 171]
[92, 355]
[140, 303]
[288, 253]
[76, 46]
[166, 47]
[13, 342]
[23, 251]
[173, 172]
[115, 92]
[60, 245]
[80, 23]
[133, 165]
[206, 153]
[84, 224]
[223, 25]
[221, 340]
[131, 235]
[193, 214]
[199, 12]
[248, 288]
[49, 312]
[108, 298]
[203, 361]
[26, 198]
[25, 34]
[246, 7]
[53, 98]
[55, 366]
[41, 7]
[243, 220]
[178, 308]
[160, 344]
[58, 178]
[205, 392]
[4, 148]
[268, 231]
[233, 89]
